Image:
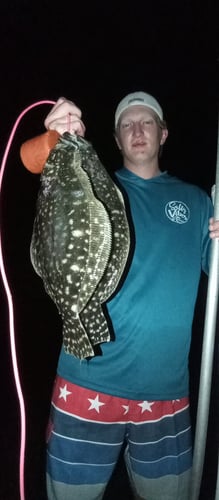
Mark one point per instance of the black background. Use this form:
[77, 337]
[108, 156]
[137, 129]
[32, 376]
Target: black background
[94, 53]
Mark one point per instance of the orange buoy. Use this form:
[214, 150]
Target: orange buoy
[34, 152]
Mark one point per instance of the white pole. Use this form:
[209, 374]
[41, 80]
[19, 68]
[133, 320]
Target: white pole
[217, 486]
[207, 355]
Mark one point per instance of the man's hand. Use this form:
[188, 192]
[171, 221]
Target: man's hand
[65, 116]
[213, 228]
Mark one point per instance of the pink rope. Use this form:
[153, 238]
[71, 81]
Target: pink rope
[11, 314]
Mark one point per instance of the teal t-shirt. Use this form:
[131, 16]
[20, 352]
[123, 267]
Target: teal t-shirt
[152, 313]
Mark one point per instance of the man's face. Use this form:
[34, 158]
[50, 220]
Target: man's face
[139, 136]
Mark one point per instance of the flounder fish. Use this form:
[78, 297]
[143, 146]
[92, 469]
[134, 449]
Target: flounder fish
[80, 241]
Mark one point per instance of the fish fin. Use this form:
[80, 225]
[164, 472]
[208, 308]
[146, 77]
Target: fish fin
[95, 322]
[75, 339]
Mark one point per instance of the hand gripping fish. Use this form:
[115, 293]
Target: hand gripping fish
[80, 242]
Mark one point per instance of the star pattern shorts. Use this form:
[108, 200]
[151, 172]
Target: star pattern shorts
[88, 429]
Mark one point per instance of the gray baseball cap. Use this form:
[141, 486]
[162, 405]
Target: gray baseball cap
[138, 98]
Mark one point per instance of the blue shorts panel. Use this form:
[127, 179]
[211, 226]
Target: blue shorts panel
[88, 429]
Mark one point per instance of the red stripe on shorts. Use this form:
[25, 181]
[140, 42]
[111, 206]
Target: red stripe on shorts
[99, 407]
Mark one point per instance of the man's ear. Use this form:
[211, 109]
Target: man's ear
[117, 141]
[164, 135]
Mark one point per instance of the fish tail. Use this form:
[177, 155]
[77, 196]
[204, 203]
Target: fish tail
[95, 322]
[75, 338]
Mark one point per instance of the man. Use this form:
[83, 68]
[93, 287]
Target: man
[136, 392]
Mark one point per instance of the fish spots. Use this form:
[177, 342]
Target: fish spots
[80, 257]
[75, 267]
[80, 241]
[77, 233]
[74, 308]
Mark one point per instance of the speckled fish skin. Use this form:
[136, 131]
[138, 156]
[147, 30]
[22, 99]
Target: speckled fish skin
[108, 192]
[76, 248]
[71, 242]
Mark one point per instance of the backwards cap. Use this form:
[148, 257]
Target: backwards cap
[138, 98]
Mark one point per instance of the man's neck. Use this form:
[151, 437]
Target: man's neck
[144, 171]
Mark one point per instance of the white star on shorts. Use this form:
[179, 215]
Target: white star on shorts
[95, 404]
[64, 392]
[126, 408]
[145, 405]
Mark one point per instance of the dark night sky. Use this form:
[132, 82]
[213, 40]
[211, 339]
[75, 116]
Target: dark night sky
[94, 52]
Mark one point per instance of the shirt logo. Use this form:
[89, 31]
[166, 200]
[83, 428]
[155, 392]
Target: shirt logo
[177, 211]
